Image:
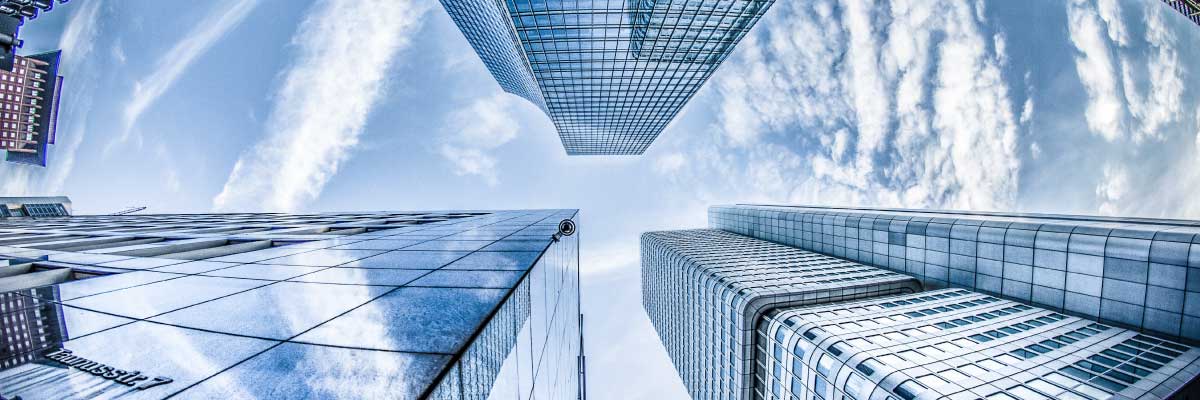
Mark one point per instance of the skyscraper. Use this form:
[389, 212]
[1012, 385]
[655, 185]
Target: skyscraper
[29, 107]
[705, 291]
[1137, 273]
[611, 74]
[880, 304]
[440, 305]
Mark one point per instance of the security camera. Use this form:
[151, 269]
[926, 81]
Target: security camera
[566, 227]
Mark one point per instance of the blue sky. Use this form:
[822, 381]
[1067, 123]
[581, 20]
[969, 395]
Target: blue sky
[1081, 106]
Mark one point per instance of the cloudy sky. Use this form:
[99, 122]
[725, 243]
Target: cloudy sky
[1078, 106]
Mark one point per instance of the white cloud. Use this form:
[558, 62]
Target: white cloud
[1027, 112]
[1161, 106]
[207, 32]
[793, 84]
[866, 79]
[907, 102]
[1132, 93]
[1097, 73]
[670, 163]
[1110, 12]
[473, 131]
[1112, 190]
[324, 101]
[1147, 166]
[118, 52]
[170, 172]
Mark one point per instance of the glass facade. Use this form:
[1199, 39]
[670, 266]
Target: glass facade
[957, 344]
[611, 74]
[705, 291]
[1136, 273]
[442, 305]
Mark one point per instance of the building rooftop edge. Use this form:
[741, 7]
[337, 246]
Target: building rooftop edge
[935, 213]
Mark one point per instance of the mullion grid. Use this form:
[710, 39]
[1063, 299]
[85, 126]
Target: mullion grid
[1069, 360]
[718, 282]
[604, 99]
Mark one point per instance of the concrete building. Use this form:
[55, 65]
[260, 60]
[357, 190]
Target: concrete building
[29, 96]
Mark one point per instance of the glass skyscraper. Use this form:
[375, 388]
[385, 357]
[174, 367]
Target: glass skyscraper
[611, 74]
[397, 305]
[858, 304]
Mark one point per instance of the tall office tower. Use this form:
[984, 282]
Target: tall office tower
[1137, 273]
[706, 290]
[833, 304]
[611, 74]
[398, 305]
[29, 107]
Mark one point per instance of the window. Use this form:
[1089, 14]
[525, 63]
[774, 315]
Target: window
[1045, 387]
[868, 366]
[825, 365]
[908, 390]
[800, 349]
[821, 387]
[857, 387]
[836, 349]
